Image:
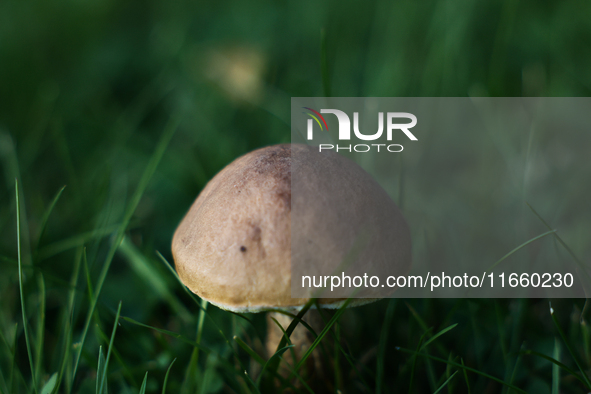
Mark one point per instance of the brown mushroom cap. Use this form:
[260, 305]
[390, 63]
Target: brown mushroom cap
[234, 246]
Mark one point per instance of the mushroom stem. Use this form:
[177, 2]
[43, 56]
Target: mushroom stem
[314, 371]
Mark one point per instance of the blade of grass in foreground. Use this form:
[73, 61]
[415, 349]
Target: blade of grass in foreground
[68, 317]
[434, 337]
[461, 366]
[414, 364]
[104, 376]
[293, 354]
[273, 363]
[492, 267]
[565, 246]
[20, 285]
[556, 368]
[50, 385]
[569, 348]
[291, 350]
[190, 382]
[144, 383]
[221, 332]
[45, 217]
[332, 321]
[260, 360]
[254, 355]
[169, 333]
[100, 370]
[466, 376]
[166, 376]
[446, 382]
[40, 327]
[514, 372]
[75, 241]
[141, 188]
[555, 362]
[151, 277]
[275, 356]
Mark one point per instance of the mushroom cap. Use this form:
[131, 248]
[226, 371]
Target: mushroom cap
[235, 246]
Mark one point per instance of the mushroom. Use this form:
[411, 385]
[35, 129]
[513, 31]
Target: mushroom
[234, 248]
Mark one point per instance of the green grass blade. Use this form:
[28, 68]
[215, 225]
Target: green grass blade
[569, 348]
[20, 285]
[501, 331]
[143, 184]
[555, 362]
[446, 382]
[40, 328]
[299, 321]
[438, 345]
[515, 367]
[293, 354]
[68, 321]
[104, 377]
[189, 382]
[261, 361]
[166, 376]
[50, 385]
[417, 317]
[440, 333]
[301, 380]
[565, 246]
[292, 350]
[355, 366]
[198, 303]
[144, 383]
[45, 217]
[13, 360]
[174, 273]
[75, 241]
[332, 321]
[385, 331]
[249, 350]
[463, 367]
[151, 277]
[556, 368]
[100, 371]
[169, 333]
[414, 364]
[252, 383]
[275, 364]
[492, 267]
[466, 376]
[275, 356]
[200, 321]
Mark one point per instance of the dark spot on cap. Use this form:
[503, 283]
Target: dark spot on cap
[243, 249]
[285, 196]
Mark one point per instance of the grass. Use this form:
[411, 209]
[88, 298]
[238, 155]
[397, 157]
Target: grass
[113, 118]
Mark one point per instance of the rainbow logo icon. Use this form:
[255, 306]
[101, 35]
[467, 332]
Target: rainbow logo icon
[315, 115]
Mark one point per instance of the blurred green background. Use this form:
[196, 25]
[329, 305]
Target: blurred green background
[90, 89]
